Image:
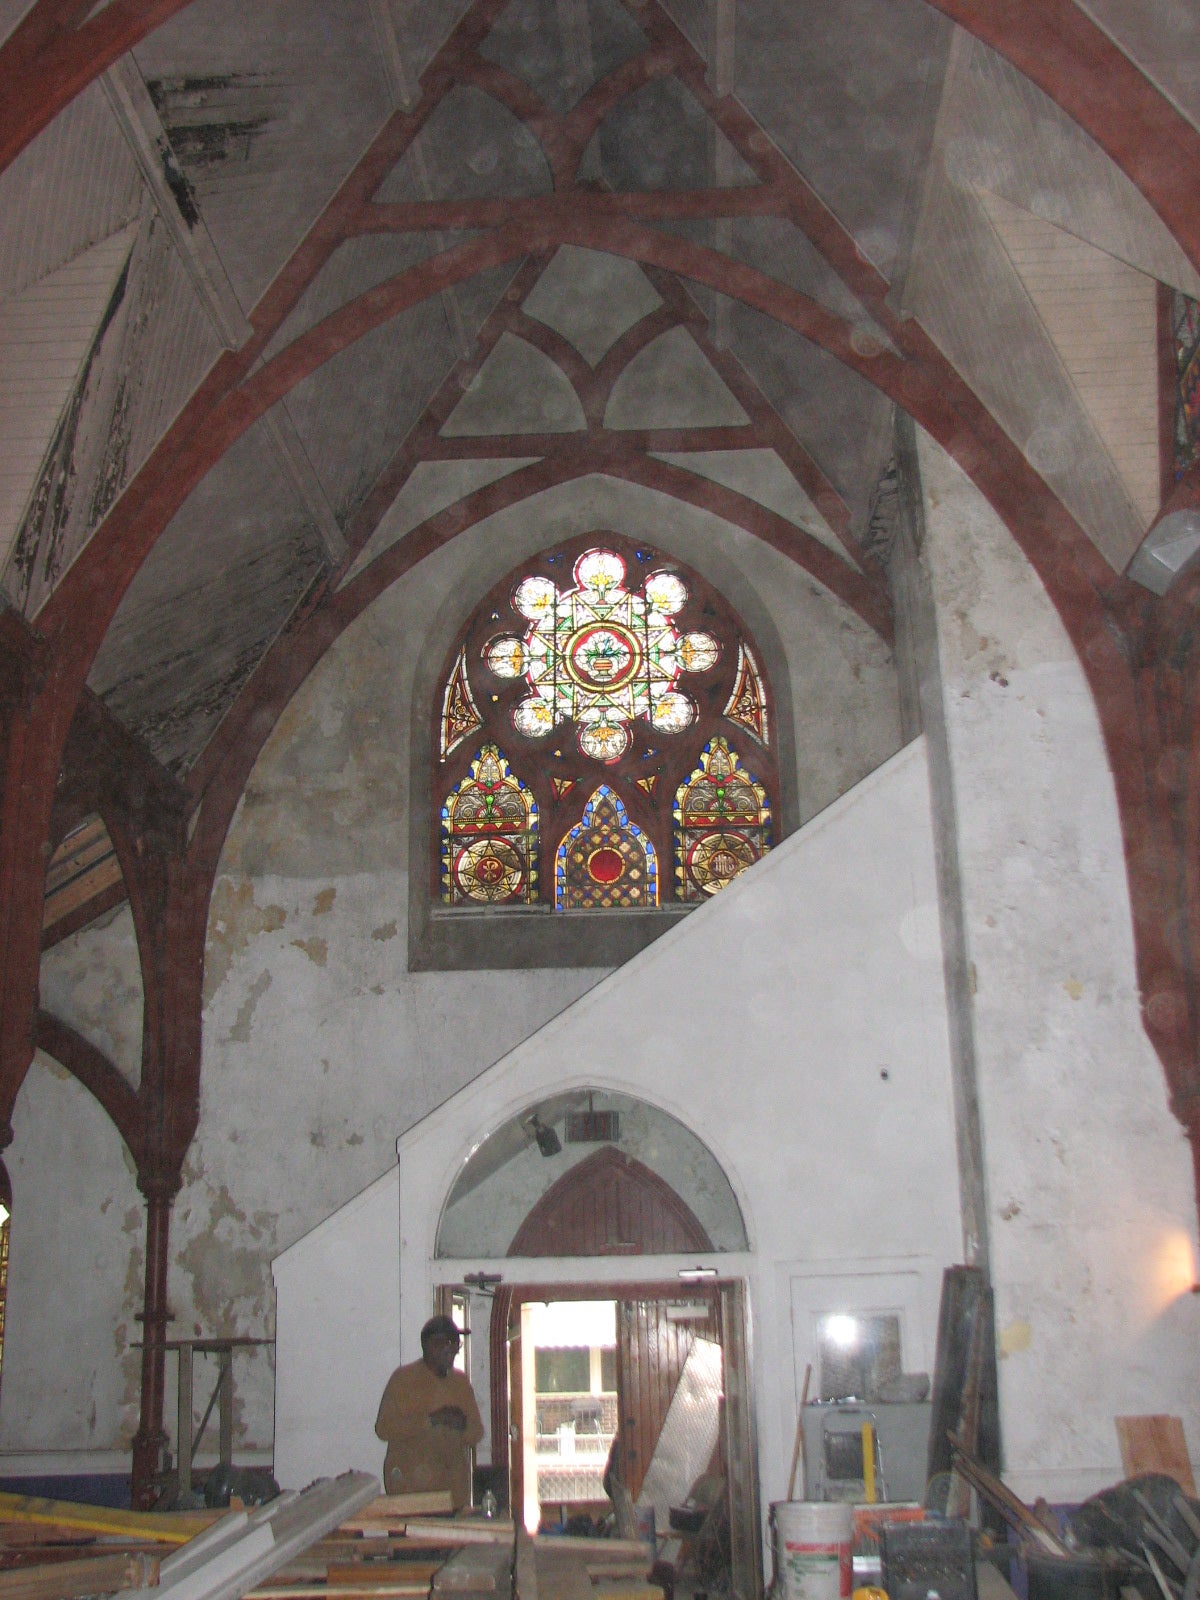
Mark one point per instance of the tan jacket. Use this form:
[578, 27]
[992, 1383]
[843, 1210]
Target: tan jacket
[420, 1453]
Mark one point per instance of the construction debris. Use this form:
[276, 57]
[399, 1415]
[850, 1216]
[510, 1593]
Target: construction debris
[65, 1580]
[337, 1540]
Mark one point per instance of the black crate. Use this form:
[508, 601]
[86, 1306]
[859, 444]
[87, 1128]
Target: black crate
[928, 1561]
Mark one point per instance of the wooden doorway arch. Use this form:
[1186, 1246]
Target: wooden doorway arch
[607, 1205]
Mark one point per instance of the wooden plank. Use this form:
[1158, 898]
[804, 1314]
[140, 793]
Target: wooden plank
[602, 1566]
[245, 1549]
[496, 1530]
[564, 1544]
[389, 1508]
[64, 1580]
[1155, 1444]
[966, 1303]
[324, 1591]
[378, 1574]
[480, 1568]
[163, 1527]
[562, 1576]
[992, 1584]
[525, 1567]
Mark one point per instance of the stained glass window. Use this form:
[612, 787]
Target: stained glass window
[489, 836]
[602, 654]
[722, 823]
[460, 715]
[605, 860]
[1185, 321]
[747, 705]
[590, 689]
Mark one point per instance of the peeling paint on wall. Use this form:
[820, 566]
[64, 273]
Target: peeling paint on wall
[234, 919]
[1014, 1338]
[317, 950]
[240, 1032]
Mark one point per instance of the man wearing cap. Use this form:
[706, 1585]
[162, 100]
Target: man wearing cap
[430, 1419]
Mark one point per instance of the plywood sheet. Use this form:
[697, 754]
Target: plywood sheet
[1155, 1444]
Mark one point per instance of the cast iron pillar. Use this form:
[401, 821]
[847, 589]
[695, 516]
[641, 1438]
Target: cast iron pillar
[150, 1441]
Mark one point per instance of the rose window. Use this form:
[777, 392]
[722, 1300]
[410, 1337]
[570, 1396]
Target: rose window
[604, 739]
[601, 655]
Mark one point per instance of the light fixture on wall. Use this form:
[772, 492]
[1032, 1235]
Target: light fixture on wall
[548, 1141]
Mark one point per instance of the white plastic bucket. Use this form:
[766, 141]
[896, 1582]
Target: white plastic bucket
[814, 1549]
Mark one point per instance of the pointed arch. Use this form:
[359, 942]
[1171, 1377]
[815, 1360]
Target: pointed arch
[605, 859]
[610, 1205]
[489, 835]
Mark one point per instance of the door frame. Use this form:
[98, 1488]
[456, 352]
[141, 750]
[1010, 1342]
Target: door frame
[738, 1431]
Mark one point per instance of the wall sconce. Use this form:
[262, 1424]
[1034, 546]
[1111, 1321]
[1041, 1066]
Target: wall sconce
[548, 1141]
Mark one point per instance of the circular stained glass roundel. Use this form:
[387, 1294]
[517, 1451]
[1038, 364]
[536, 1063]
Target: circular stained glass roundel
[599, 571]
[534, 718]
[717, 858]
[697, 652]
[603, 656]
[506, 657]
[604, 739]
[605, 865]
[489, 870]
[666, 593]
[673, 713]
[535, 597]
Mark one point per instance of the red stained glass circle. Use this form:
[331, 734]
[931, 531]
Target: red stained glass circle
[605, 865]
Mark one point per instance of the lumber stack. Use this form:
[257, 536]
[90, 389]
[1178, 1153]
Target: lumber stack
[557, 1568]
[397, 1547]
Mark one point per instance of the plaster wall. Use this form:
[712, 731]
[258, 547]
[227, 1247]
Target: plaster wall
[320, 1045]
[1089, 1190]
[797, 1026]
[484, 1221]
[76, 1262]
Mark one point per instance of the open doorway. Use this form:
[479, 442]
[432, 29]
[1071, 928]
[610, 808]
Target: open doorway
[646, 1380]
[568, 1403]
[659, 1378]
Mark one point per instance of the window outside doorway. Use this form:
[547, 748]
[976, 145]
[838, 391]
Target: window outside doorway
[569, 1401]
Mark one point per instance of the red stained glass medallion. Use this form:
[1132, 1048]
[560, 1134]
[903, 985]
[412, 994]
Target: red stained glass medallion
[605, 860]
[489, 836]
[722, 823]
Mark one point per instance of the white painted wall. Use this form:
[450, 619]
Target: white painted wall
[764, 1022]
[69, 1369]
[1090, 1198]
[320, 1046]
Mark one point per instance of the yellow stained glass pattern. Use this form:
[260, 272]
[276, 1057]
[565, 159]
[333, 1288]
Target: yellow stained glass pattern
[722, 823]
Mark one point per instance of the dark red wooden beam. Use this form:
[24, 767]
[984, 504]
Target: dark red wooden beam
[92, 1068]
[53, 54]
[658, 205]
[1056, 45]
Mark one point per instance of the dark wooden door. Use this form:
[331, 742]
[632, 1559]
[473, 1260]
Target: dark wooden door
[652, 1348]
[609, 1205]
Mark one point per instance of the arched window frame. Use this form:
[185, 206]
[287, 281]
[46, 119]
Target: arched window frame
[561, 778]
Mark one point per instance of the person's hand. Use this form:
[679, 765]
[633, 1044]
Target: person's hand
[449, 1417]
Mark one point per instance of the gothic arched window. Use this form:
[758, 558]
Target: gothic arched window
[603, 713]
[722, 823]
[489, 836]
[605, 860]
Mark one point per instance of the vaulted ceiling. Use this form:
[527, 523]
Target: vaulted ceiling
[247, 271]
[289, 295]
